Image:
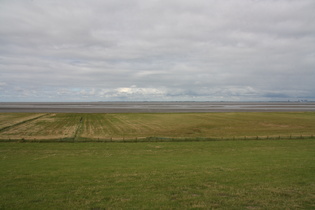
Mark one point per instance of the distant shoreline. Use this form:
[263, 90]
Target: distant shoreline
[153, 107]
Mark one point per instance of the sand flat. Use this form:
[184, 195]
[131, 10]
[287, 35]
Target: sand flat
[153, 107]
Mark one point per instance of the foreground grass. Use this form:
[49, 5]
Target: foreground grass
[274, 174]
[142, 125]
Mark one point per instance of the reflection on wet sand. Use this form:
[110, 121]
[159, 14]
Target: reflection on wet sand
[155, 107]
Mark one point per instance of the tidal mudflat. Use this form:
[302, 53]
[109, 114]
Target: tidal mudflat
[154, 107]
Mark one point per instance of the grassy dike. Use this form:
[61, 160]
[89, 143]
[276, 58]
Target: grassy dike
[265, 174]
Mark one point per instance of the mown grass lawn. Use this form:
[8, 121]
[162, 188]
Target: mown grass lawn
[268, 174]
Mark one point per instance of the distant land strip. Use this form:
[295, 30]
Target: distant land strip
[153, 107]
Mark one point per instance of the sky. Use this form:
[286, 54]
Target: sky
[157, 50]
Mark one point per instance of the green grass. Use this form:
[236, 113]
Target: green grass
[264, 174]
[269, 174]
[171, 125]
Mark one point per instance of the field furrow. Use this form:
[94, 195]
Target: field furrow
[173, 125]
[11, 119]
[52, 126]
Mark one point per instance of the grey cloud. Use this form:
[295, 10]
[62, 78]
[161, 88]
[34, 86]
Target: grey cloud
[160, 50]
[276, 95]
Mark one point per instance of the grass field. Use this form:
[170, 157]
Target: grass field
[142, 125]
[7, 120]
[265, 174]
[269, 174]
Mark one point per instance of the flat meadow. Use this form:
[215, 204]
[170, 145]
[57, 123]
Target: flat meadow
[93, 126]
[79, 161]
[244, 174]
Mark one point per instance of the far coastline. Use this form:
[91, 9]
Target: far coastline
[156, 106]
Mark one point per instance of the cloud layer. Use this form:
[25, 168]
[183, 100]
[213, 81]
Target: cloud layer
[157, 50]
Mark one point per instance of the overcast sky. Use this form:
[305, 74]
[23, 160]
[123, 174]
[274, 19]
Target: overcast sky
[131, 50]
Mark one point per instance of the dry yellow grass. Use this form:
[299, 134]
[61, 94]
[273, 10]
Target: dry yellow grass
[194, 125]
[52, 126]
[9, 119]
[141, 125]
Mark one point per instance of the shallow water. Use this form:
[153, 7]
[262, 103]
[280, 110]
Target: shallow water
[154, 107]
